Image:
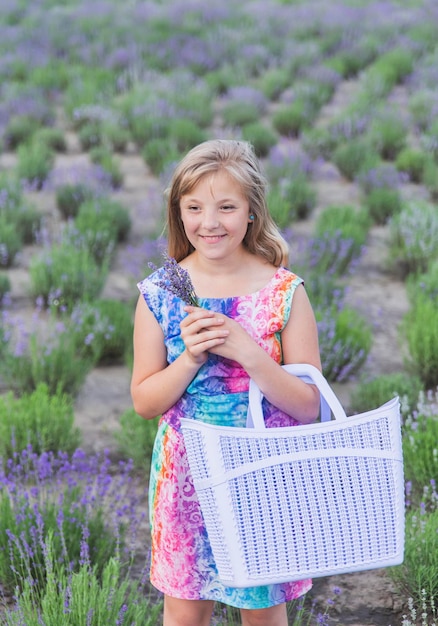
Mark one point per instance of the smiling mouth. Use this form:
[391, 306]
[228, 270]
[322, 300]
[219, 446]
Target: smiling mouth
[212, 238]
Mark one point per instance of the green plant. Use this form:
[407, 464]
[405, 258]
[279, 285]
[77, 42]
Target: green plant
[53, 138]
[5, 287]
[64, 274]
[158, 153]
[186, 134]
[351, 222]
[279, 207]
[424, 284]
[50, 354]
[430, 178]
[420, 332]
[90, 135]
[417, 575]
[136, 438]
[115, 136]
[413, 237]
[20, 129]
[388, 135]
[34, 162]
[70, 196]
[369, 394]
[103, 330]
[419, 447]
[101, 155]
[274, 81]
[300, 195]
[382, 204]
[351, 157]
[260, 136]
[345, 342]
[235, 113]
[104, 213]
[73, 600]
[290, 120]
[10, 242]
[412, 162]
[39, 419]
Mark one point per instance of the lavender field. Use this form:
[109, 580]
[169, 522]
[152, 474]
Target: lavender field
[98, 101]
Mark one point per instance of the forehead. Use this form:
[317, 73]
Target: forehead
[213, 183]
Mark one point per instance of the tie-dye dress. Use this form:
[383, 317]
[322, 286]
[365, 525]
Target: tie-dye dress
[182, 563]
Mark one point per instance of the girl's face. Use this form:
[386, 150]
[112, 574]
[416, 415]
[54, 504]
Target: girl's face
[215, 215]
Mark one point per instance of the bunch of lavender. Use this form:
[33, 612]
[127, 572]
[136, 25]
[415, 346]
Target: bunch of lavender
[177, 280]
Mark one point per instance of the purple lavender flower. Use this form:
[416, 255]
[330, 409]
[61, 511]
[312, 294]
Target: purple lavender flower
[177, 280]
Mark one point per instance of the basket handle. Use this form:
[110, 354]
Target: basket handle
[309, 374]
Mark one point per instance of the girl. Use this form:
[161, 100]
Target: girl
[196, 361]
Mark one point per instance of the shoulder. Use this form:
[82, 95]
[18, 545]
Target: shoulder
[287, 279]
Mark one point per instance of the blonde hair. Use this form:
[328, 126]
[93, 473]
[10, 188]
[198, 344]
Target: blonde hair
[238, 159]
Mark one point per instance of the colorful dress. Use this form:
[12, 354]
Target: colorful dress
[182, 563]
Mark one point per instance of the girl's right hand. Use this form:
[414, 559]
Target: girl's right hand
[201, 330]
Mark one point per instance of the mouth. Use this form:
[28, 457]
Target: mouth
[212, 238]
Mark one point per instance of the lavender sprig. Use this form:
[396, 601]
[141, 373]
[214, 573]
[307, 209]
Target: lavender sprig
[177, 280]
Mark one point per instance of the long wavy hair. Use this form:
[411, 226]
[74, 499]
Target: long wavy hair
[238, 159]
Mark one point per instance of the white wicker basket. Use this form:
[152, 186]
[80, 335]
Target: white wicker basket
[284, 504]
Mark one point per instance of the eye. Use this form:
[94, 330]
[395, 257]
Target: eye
[227, 207]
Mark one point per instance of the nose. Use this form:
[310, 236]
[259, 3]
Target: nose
[211, 219]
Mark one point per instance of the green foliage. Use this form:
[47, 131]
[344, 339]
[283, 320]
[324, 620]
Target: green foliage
[420, 436]
[10, 242]
[103, 330]
[90, 135]
[351, 222]
[387, 71]
[430, 178]
[34, 162]
[109, 595]
[136, 438]
[5, 287]
[20, 129]
[424, 285]
[382, 204]
[53, 138]
[158, 153]
[345, 342]
[260, 136]
[368, 395]
[235, 113]
[64, 274]
[101, 155]
[418, 572]
[43, 420]
[279, 207]
[412, 162]
[420, 333]
[70, 196]
[354, 156]
[186, 134]
[340, 234]
[290, 120]
[274, 81]
[413, 237]
[388, 135]
[300, 195]
[49, 355]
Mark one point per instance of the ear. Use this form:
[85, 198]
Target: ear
[251, 218]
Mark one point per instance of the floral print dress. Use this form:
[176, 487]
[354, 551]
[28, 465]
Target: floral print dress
[182, 563]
